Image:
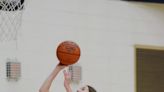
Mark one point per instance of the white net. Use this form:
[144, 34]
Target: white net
[10, 19]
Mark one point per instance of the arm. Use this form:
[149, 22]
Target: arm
[67, 81]
[47, 83]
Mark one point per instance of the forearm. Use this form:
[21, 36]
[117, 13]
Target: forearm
[47, 83]
[68, 88]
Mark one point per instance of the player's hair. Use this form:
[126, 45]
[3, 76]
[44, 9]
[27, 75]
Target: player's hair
[91, 89]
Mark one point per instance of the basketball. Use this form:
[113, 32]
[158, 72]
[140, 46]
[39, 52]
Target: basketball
[68, 52]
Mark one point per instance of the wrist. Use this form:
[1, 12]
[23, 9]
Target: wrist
[61, 66]
[58, 68]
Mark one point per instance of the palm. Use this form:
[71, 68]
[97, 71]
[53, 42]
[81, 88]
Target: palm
[61, 66]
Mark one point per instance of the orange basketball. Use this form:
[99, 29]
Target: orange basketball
[68, 52]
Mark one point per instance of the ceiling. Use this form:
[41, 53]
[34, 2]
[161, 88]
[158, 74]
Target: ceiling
[152, 1]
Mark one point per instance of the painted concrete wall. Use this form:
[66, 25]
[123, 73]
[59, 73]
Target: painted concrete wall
[106, 31]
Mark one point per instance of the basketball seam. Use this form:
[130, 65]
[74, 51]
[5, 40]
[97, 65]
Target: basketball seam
[68, 53]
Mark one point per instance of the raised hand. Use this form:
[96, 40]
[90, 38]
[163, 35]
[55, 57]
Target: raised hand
[67, 81]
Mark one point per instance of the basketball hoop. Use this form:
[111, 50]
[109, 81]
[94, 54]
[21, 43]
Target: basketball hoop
[10, 19]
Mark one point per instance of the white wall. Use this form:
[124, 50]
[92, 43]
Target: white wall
[106, 31]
